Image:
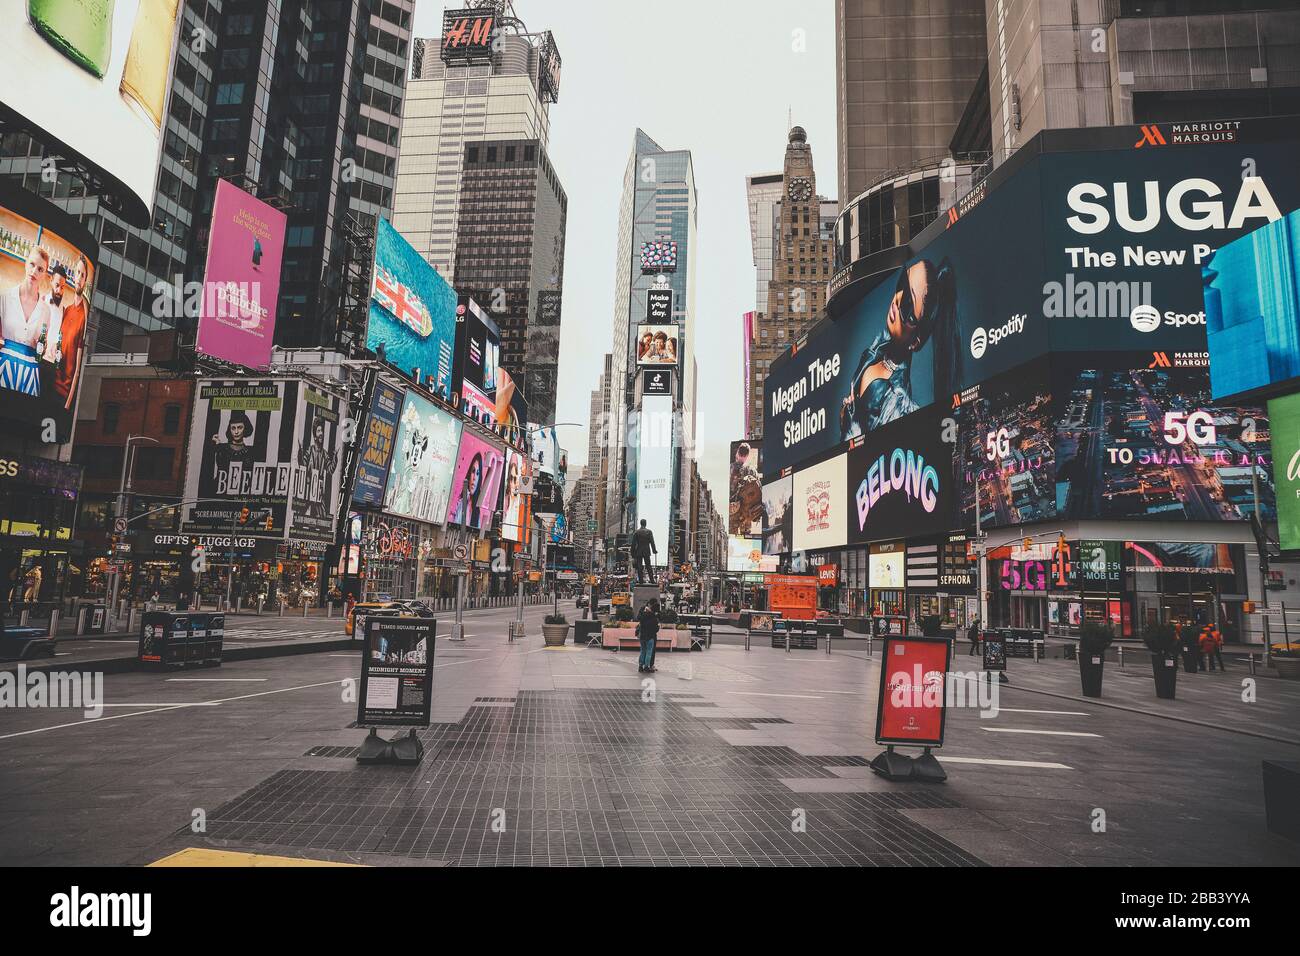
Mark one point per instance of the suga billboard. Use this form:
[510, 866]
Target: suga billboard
[241, 280]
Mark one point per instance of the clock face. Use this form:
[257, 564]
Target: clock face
[800, 189]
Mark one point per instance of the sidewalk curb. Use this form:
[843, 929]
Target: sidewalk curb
[128, 664]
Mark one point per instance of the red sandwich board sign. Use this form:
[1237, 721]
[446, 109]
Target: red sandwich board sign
[911, 708]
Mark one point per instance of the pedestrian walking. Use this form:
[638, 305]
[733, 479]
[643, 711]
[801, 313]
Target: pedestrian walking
[647, 630]
[1218, 646]
[1206, 644]
[973, 635]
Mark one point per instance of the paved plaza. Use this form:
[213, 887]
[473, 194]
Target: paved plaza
[568, 756]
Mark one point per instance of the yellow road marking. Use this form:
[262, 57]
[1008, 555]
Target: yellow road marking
[194, 856]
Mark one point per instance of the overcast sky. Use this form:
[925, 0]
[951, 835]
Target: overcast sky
[718, 78]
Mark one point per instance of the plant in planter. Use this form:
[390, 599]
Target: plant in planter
[1094, 638]
[555, 629]
[1163, 643]
[1286, 660]
[667, 616]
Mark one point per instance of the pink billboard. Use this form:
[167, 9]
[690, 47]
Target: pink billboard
[476, 484]
[241, 279]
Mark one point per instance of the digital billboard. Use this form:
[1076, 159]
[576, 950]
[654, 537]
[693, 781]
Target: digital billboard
[745, 489]
[515, 510]
[1252, 309]
[1139, 436]
[659, 255]
[241, 278]
[268, 446]
[543, 343]
[47, 271]
[656, 381]
[821, 505]
[1005, 452]
[412, 315]
[901, 481]
[1284, 419]
[745, 556]
[476, 487]
[885, 566]
[546, 448]
[375, 452]
[778, 515]
[91, 79]
[424, 456]
[478, 352]
[1098, 245]
[654, 467]
[659, 306]
[656, 344]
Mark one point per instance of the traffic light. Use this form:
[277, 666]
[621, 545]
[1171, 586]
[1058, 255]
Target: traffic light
[243, 515]
[269, 523]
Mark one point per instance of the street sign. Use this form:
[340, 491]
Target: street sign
[396, 672]
[119, 526]
[591, 525]
[461, 552]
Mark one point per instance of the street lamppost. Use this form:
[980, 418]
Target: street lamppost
[123, 490]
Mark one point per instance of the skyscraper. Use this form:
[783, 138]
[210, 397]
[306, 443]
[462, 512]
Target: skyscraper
[903, 73]
[791, 228]
[658, 205]
[476, 193]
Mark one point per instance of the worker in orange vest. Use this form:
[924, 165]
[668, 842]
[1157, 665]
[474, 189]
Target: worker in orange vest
[1208, 647]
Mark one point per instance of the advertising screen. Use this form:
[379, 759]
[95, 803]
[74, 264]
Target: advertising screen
[375, 454]
[656, 381]
[1098, 244]
[745, 555]
[1138, 436]
[778, 515]
[745, 496]
[654, 471]
[241, 280]
[821, 505]
[544, 354]
[885, 566]
[47, 271]
[478, 351]
[659, 306]
[412, 313]
[1005, 452]
[546, 448]
[901, 481]
[656, 344]
[515, 504]
[911, 706]
[659, 255]
[424, 456]
[260, 445]
[92, 79]
[1284, 417]
[476, 487]
[1181, 557]
[1252, 309]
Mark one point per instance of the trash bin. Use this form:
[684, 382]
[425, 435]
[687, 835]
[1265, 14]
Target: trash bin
[164, 638]
[1070, 652]
[92, 619]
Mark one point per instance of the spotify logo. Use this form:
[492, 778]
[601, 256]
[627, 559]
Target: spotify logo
[1145, 318]
[979, 342]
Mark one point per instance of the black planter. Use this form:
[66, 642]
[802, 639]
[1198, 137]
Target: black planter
[1090, 673]
[1190, 661]
[1164, 668]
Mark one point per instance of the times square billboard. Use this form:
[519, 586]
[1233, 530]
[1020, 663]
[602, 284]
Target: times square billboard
[1051, 328]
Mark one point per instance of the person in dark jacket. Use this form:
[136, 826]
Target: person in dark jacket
[648, 630]
[973, 635]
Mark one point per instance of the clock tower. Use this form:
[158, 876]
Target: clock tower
[802, 225]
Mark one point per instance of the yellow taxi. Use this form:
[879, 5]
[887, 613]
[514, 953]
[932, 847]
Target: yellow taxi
[363, 607]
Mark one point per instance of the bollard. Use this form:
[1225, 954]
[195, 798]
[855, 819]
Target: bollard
[54, 622]
[1038, 646]
[130, 620]
[304, 608]
[1121, 657]
[261, 600]
[329, 609]
[1252, 664]
[787, 640]
[746, 638]
[828, 643]
[281, 607]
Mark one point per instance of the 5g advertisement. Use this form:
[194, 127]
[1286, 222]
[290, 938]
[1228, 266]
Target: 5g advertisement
[1079, 242]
